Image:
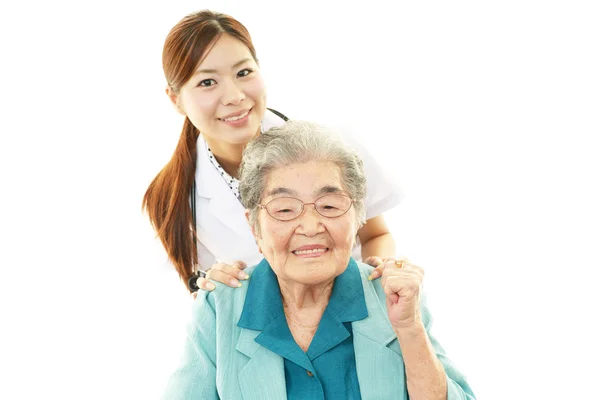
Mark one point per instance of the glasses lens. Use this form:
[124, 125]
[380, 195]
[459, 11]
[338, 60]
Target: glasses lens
[333, 205]
[284, 208]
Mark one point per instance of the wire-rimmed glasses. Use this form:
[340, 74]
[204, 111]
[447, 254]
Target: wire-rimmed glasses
[331, 205]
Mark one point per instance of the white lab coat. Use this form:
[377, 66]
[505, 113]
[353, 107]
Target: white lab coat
[222, 229]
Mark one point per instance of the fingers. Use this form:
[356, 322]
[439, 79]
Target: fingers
[407, 271]
[228, 274]
[401, 286]
[399, 273]
[204, 284]
[378, 263]
[239, 265]
[373, 261]
[401, 265]
[377, 272]
[403, 262]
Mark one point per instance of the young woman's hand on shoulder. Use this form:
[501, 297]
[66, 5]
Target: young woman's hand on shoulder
[228, 274]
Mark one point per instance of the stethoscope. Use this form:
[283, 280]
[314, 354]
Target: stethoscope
[198, 273]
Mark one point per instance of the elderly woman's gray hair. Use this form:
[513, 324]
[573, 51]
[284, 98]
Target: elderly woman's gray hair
[298, 142]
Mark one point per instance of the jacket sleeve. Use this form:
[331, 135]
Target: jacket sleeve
[458, 388]
[195, 378]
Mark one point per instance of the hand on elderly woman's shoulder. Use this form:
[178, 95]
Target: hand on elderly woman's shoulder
[402, 282]
[227, 274]
[378, 263]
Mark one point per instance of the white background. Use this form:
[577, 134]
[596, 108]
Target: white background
[486, 113]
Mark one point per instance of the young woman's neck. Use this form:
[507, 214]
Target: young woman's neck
[228, 155]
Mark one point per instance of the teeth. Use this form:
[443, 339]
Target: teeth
[309, 251]
[237, 117]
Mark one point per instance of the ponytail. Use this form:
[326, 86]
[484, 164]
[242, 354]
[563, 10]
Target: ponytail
[167, 203]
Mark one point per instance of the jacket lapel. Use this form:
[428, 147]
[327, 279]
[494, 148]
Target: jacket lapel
[263, 376]
[379, 362]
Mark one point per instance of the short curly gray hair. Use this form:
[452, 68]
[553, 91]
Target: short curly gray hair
[298, 142]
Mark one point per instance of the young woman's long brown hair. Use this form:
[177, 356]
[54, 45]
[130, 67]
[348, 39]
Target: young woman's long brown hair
[167, 198]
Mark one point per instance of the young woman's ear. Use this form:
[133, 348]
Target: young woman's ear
[174, 97]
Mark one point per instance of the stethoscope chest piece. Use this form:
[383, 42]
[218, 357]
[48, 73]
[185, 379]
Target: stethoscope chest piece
[192, 282]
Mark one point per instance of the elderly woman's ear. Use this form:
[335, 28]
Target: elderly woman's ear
[247, 214]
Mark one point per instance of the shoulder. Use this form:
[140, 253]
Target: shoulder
[364, 269]
[224, 297]
[373, 286]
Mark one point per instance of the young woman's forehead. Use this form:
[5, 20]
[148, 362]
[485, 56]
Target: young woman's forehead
[226, 53]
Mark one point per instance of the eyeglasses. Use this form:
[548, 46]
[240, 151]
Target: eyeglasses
[289, 208]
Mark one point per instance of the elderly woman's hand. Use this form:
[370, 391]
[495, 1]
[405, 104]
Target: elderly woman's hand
[224, 273]
[402, 282]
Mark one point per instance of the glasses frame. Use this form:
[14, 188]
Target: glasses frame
[264, 206]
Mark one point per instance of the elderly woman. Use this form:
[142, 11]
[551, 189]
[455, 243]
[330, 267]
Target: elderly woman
[309, 324]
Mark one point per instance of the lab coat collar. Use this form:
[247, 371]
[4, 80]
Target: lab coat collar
[211, 185]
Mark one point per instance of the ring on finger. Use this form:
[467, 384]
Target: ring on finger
[404, 263]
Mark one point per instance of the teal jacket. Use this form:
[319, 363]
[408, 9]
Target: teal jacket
[222, 361]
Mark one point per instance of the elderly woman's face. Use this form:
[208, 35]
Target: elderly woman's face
[311, 248]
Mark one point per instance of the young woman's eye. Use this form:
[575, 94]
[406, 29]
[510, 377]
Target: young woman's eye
[244, 72]
[207, 83]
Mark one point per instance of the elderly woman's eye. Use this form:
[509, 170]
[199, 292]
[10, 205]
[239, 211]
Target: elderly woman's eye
[329, 207]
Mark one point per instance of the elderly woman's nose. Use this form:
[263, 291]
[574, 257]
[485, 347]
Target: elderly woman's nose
[310, 221]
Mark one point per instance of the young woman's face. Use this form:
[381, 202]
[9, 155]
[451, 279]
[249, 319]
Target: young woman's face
[225, 98]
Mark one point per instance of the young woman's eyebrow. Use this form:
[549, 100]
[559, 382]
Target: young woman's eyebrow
[214, 71]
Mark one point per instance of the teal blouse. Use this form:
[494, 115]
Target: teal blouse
[328, 368]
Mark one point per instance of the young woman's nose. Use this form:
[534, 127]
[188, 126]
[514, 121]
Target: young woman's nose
[232, 93]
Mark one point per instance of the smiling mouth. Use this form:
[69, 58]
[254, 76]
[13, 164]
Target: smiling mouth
[235, 118]
[313, 251]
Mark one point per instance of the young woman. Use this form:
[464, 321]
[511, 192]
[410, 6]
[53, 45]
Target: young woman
[214, 80]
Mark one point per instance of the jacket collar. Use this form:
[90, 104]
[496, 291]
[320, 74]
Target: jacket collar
[263, 377]
[263, 302]
[378, 358]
